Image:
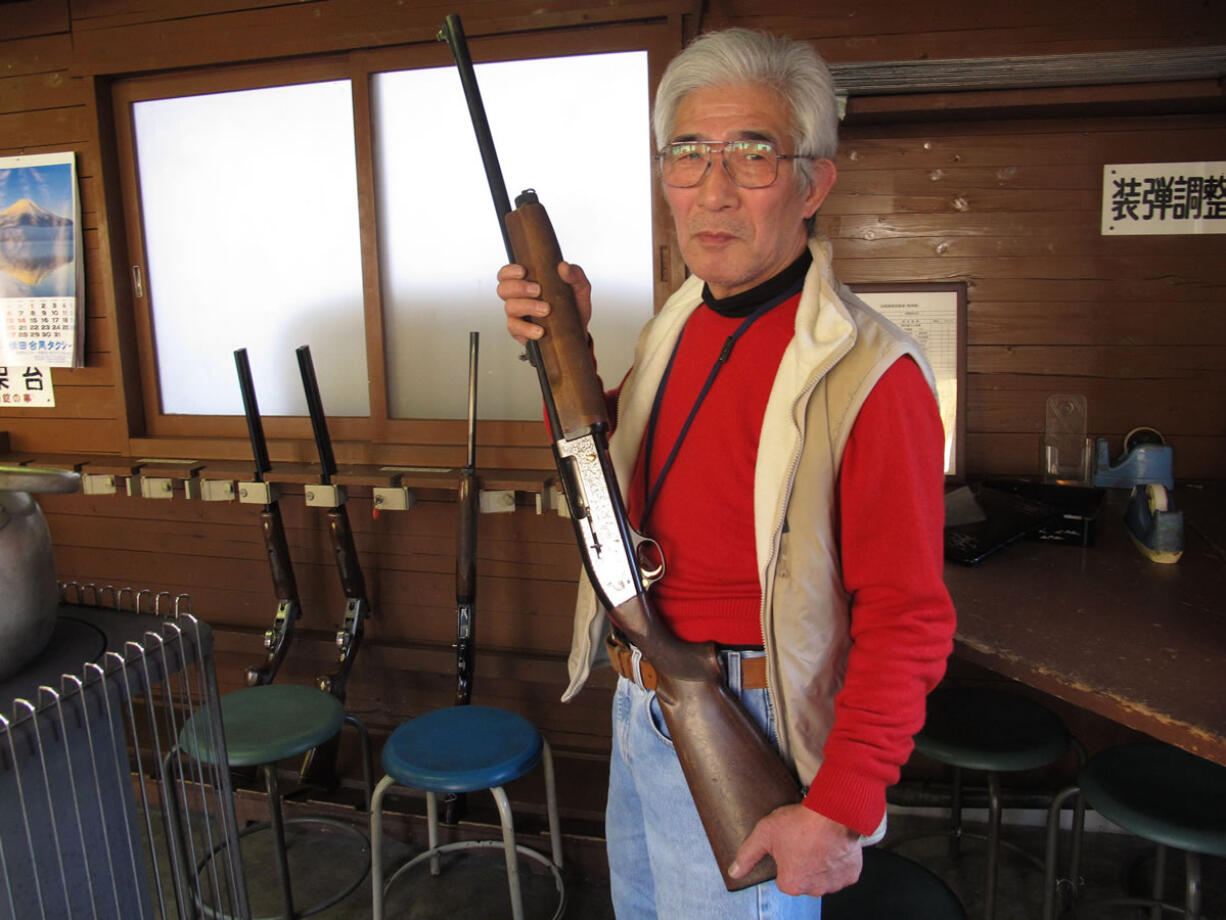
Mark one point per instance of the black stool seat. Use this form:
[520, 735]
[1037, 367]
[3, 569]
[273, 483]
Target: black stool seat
[893, 887]
[1160, 793]
[981, 729]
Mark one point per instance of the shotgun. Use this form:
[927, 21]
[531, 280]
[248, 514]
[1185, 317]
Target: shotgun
[319, 764]
[734, 775]
[455, 803]
[277, 640]
[466, 550]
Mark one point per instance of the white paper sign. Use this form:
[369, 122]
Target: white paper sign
[931, 318]
[26, 387]
[1164, 198]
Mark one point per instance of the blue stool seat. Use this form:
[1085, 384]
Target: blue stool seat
[462, 749]
[892, 887]
[457, 750]
[263, 725]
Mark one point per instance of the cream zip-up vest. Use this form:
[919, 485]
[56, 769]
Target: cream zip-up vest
[840, 349]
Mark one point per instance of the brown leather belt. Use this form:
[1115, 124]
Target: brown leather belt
[621, 656]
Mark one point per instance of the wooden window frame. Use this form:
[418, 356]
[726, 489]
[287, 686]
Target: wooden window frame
[376, 438]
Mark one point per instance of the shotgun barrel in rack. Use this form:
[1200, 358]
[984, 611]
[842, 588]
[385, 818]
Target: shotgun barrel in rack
[279, 637]
[319, 765]
[466, 549]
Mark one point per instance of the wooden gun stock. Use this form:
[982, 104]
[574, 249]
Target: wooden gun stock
[734, 775]
[564, 350]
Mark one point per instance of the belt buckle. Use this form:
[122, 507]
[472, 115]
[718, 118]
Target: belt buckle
[636, 665]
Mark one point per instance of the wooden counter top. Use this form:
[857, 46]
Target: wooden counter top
[1141, 643]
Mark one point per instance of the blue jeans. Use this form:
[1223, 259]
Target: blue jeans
[660, 864]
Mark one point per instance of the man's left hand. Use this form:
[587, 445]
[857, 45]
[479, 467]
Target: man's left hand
[814, 855]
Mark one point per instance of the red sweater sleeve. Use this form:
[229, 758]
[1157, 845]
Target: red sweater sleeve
[891, 514]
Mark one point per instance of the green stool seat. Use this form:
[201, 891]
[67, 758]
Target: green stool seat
[892, 887]
[1157, 792]
[1160, 793]
[261, 726]
[266, 724]
[992, 731]
[980, 729]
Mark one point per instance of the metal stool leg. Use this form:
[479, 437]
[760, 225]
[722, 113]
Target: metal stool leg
[1051, 893]
[989, 895]
[508, 845]
[1159, 882]
[278, 831]
[376, 847]
[1192, 896]
[955, 814]
[551, 806]
[432, 831]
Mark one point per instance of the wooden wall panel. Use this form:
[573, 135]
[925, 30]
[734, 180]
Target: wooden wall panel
[886, 30]
[1133, 323]
[998, 190]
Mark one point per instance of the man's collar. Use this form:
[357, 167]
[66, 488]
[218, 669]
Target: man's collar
[786, 282]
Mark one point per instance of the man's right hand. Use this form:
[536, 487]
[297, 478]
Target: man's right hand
[521, 303]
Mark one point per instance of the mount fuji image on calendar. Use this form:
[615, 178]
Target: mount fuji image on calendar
[36, 250]
[37, 230]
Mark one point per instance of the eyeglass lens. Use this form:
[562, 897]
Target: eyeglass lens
[750, 164]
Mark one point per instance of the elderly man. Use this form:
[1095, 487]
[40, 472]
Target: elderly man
[785, 451]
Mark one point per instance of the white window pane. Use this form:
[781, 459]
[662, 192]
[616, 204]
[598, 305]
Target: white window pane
[251, 228]
[576, 130]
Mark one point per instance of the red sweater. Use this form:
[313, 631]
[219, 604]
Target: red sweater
[892, 565]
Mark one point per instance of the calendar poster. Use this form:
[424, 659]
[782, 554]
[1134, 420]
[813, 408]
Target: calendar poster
[42, 290]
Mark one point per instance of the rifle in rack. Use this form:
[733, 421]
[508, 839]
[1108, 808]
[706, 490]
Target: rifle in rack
[466, 548]
[468, 501]
[277, 640]
[734, 775]
[319, 764]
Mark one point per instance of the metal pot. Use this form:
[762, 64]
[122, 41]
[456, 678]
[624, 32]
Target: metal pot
[28, 589]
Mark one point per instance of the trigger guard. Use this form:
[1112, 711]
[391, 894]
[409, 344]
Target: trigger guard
[649, 576]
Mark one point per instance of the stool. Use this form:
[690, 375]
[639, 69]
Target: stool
[457, 750]
[261, 726]
[973, 728]
[892, 887]
[1163, 794]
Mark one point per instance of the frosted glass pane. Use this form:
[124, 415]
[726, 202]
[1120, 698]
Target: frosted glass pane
[251, 228]
[576, 130]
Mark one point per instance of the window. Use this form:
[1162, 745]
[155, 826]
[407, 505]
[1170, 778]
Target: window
[249, 203]
[343, 204]
[440, 244]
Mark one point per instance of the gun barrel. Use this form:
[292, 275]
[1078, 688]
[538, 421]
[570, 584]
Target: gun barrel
[251, 408]
[453, 34]
[319, 421]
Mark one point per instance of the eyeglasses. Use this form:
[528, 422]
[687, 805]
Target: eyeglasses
[750, 164]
